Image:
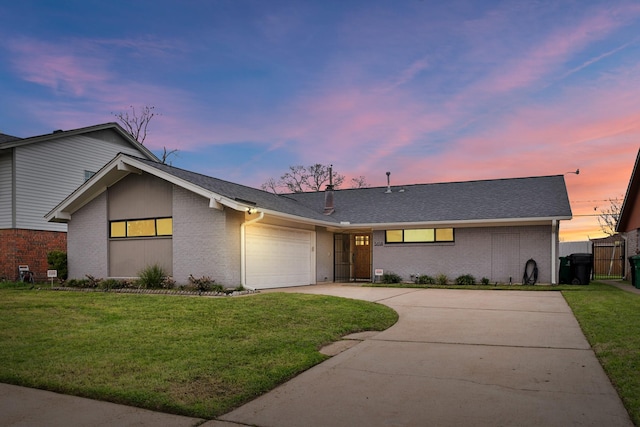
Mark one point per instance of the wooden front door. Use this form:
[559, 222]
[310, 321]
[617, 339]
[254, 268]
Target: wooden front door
[362, 257]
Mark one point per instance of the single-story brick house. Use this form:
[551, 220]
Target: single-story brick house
[136, 212]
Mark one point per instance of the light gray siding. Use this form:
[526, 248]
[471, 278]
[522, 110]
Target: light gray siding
[6, 189]
[206, 241]
[47, 172]
[139, 197]
[496, 253]
[87, 240]
[231, 257]
[324, 255]
[128, 257]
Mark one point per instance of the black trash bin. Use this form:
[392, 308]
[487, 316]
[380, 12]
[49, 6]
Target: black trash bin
[580, 266]
[635, 270]
[565, 270]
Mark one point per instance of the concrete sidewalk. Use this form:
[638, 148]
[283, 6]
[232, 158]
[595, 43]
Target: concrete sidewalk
[454, 357]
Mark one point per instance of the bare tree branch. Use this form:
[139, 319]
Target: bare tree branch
[271, 185]
[296, 180]
[166, 154]
[608, 217]
[136, 123]
[359, 182]
[319, 177]
[300, 179]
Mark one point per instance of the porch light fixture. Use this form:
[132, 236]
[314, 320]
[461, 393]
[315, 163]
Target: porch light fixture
[251, 211]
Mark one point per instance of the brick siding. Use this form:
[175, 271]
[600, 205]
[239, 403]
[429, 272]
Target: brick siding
[19, 246]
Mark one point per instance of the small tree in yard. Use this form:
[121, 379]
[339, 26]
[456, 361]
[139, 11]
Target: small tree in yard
[57, 260]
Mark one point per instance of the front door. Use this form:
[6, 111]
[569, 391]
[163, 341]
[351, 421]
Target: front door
[362, 257]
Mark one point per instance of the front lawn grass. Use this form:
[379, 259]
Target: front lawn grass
[193, 356]
[610, 319]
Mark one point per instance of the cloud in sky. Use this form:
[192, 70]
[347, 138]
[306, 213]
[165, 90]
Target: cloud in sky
[432, 92]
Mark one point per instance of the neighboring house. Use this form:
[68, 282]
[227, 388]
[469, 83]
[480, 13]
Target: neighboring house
[134, 213]
[629, 220]
[35, 174]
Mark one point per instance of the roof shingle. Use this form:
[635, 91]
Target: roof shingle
[508, 199]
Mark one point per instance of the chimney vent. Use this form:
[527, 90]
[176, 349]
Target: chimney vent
[329, 207]
[388, 182]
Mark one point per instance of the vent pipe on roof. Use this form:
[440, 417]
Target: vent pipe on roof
[388, 182]
[329, 206]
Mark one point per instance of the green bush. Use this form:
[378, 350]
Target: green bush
[484, 281]
[391, 278]
[442, 280]
[152, 277]
[57, 260]
[425, 279]
[465, 279]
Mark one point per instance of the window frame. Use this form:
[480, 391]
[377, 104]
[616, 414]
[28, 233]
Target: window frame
[125, 222]
[432, 231]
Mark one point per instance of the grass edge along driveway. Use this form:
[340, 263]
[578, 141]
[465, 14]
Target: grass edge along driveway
[192, 356]
[610, 320]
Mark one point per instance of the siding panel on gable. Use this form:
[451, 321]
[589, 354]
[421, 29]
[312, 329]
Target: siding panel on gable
[6, 190]
[47, 172]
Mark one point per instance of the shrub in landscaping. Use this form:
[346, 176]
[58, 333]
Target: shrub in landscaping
[115, 284]
[204, 284]
[152, 277]
[391, 278]
[484, 281]
[425, 279]
[93, 282]
[57, 260]
[465, 279]
[77, 283]
[442, 280]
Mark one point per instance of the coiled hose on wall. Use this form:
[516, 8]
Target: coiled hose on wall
[530, 276]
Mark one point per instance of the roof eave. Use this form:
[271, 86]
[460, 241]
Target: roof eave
[460, 223]
[56, 135]
[118, 168]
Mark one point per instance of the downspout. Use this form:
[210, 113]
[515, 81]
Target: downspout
[243, 253]
[626, 255]
[554, 229]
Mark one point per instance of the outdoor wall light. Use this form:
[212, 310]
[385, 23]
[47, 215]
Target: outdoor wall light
[251, 211]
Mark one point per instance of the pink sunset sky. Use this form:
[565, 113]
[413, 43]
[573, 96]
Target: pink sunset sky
[430, 91]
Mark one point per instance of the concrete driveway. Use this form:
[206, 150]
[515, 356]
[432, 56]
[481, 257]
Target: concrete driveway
[455, 357]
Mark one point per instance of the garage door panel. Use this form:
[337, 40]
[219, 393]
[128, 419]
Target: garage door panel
[278, 257]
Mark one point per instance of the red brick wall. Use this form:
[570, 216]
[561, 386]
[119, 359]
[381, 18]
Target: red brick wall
[28, 247]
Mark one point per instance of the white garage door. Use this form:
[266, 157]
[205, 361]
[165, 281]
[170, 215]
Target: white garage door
[278, 257]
